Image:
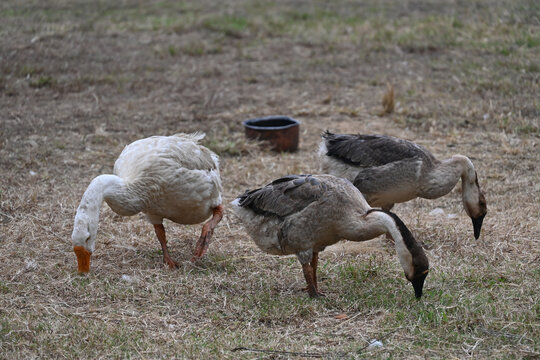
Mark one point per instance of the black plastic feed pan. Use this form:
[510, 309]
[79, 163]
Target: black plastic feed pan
[280, 131]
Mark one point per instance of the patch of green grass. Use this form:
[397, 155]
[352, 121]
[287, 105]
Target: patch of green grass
[6, 333]
[164, 22]
[506, 51]
[529, 41]
[315, 24]
[4, 327]
[504, 86]
[428, 34]
[175, 16]
[320, 17]
[233, 26]
[199, 48]
[269, 309]
[59, 144]
[223, 263]
[43, 81]
[228, 143]
[194, 49]
[250, 79]
[92, 80]
[29, 70]
[533, 68]
[45, 14]
[456, 23]
[311, 17]
[13, 12]
[80, 281]
[95, 338]
[454, 318]
[527, 129]
[98, 139]
[226, 147]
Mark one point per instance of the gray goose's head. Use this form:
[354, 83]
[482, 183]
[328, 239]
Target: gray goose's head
[412, 257]
[475, 205]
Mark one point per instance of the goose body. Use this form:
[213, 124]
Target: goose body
[303, 214]
[164, 177]
[389, 170]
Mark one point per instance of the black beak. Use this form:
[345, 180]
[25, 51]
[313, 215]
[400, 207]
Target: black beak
[418, 285]
[477, 225]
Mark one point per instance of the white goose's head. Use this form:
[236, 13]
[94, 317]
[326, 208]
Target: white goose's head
[84, 238]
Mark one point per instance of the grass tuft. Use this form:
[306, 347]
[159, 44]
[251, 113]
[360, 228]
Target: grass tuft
[388, 103]
[43, 81]
[233, 26]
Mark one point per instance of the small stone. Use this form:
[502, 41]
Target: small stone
[375, 343]
[436, 211]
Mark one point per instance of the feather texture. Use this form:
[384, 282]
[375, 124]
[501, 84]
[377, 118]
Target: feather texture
[373, 150]
[284, 196]
[173, 176]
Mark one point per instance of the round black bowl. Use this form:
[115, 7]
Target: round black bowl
[280, 131]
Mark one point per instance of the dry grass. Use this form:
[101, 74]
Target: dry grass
[388, 102]
[80, 80]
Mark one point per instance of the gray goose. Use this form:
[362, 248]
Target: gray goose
[302, 214]
[389, 170]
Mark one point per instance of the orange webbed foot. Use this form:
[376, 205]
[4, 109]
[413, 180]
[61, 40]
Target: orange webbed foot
[202, 244]
[316, 293]
[172, 264]
[207, 232]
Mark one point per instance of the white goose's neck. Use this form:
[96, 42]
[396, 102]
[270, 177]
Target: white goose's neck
[113, 190]
[87, 217]
[99, 189]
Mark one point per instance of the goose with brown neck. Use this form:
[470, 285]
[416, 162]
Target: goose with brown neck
[164, 177]
[389, 170]
[303, 214]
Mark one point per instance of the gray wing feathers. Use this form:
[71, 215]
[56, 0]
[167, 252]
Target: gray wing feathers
[284, 196]
[387, 177]
[371, 150]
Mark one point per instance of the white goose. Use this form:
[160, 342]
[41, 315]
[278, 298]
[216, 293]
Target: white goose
[302, 214]
[165, 177]
[389, 170]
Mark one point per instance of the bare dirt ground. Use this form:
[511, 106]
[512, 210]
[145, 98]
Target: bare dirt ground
[81, 79]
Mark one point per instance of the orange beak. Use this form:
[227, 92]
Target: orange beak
[83, 258]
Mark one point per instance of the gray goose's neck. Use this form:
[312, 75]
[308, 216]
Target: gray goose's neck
[443, 176]
[411, 255]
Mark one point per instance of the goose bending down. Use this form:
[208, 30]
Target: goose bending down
[165, 177]
[302, 214]
[389, 170]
